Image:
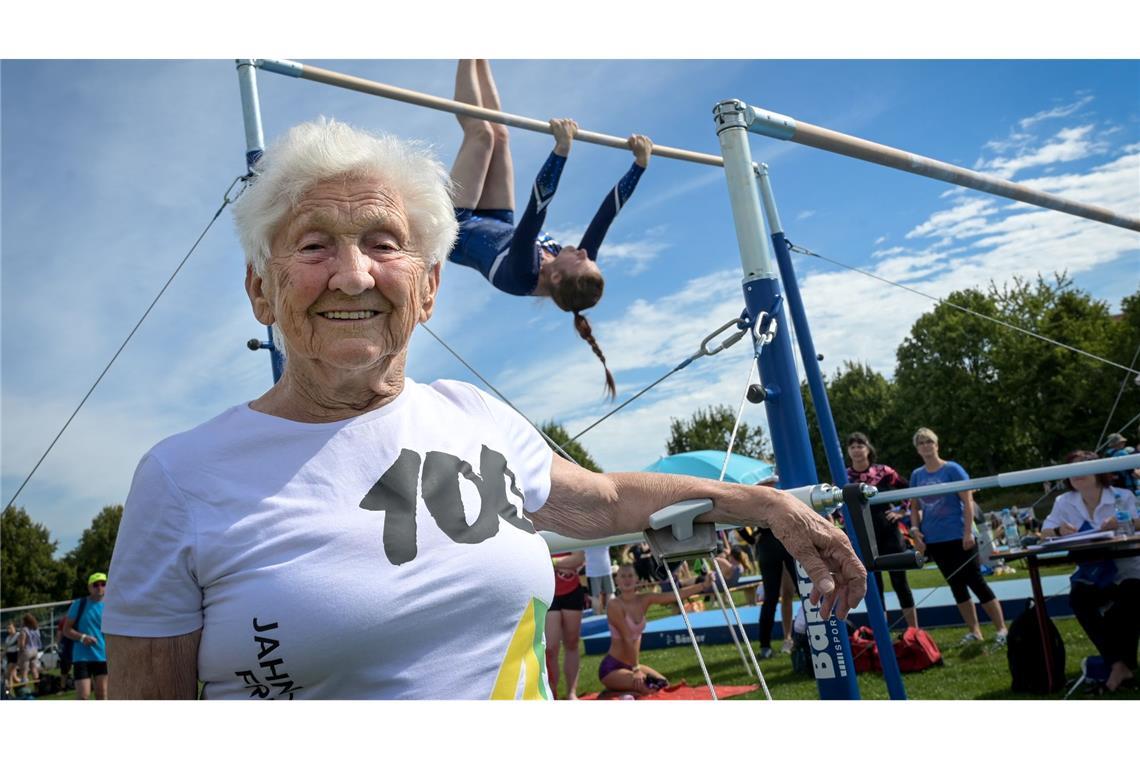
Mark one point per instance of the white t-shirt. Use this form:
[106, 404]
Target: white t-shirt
[598, 562]
[1069, 508]
[382, 557]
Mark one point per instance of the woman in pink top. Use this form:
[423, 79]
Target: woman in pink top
[620, 669]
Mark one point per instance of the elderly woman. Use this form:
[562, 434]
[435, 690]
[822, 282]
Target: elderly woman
[354, 534]
[1104, 596]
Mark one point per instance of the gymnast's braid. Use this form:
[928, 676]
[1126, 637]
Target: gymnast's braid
[583, 328]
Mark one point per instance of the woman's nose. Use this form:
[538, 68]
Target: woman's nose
[351, 274]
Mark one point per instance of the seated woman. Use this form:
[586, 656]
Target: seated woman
[733, 562]
[620, 669]
[1104, 597]
[519, 258]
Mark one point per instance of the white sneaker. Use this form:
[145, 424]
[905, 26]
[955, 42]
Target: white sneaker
[969, 638]
[789, 645]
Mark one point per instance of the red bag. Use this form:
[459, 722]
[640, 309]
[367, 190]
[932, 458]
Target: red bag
[916, 651]
[864, 650]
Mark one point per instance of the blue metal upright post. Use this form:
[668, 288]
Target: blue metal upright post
[827, 431]
[831, 651]
[254, 147]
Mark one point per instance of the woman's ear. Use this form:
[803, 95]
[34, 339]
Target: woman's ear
[258, 299]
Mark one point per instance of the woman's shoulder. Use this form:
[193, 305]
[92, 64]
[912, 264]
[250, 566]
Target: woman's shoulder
[196, 442]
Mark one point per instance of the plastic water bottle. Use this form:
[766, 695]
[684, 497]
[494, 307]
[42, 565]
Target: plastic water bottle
[1124, 525]
[1009, 522]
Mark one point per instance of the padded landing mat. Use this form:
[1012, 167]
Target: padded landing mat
[679, 691]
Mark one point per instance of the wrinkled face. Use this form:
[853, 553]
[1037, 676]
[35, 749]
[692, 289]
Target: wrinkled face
[571, 262]
[343, 282]
[627, 579]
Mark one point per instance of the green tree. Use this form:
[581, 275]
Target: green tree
[711, 428]
[559, 435]
[860, 399]
[29, 574]
[93, 552]
[946, 380]
[1001, 399]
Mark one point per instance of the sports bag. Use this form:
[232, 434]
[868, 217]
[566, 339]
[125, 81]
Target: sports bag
[864, 650]
[916, 651]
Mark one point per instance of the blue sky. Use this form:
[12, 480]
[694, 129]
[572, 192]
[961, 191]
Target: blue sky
[112, 168]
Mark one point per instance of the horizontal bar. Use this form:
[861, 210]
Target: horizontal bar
[1010, 479]
[783, 127]
[324, 76]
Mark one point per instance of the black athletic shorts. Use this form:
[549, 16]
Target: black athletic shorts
[89, 669]
[11, 657]
[575, 600]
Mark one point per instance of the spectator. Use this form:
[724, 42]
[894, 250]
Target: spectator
[864, 469]
[84, 626]
[564, 621]
[599, 577]
[1117, 446]
[11, 654]
[644, 562]
[28, 660]
[777, 574]
[1105, 597]
[943, 529]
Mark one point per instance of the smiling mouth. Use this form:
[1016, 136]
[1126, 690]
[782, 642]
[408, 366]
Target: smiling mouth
[349, 316]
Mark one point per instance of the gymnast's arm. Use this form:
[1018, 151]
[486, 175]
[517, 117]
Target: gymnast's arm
[153, 668]
[523, 258]
[617, 197]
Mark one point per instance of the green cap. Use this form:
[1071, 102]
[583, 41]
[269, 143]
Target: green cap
[96, 577]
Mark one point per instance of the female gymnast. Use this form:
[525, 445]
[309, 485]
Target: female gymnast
[521, 259]
[620, 669]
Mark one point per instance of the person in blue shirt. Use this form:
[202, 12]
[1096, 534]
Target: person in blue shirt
[84, 626]
[520, 259]
[943, 530]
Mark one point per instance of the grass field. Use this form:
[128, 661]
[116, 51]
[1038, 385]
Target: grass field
[971, 672]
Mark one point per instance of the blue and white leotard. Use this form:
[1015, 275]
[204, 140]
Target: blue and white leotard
[510, 255]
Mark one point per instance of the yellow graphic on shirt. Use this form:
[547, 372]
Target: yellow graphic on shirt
[523, 671]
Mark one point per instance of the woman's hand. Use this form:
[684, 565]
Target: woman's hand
[564, 131]
[1109, 524]
[893, 517]
[1066, 530]
[968, 541]
[642, 148]
[838, 577]
[919, 542]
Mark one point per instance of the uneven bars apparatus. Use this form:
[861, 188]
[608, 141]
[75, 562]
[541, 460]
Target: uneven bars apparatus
[755, 248]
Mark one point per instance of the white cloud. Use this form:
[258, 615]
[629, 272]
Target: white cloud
[1068, 144]
[805, 214]
[1055, 113]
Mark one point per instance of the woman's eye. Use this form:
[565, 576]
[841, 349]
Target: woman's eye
[312, 247]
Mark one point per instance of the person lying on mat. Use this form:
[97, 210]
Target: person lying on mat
[620, 669]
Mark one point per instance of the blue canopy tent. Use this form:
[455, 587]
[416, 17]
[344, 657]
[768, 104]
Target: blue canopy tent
[707, 464]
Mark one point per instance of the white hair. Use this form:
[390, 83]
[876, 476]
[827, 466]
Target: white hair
[326, 149]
